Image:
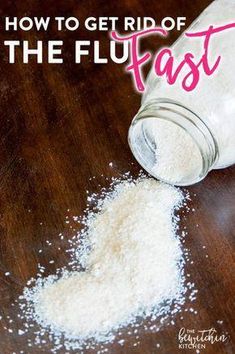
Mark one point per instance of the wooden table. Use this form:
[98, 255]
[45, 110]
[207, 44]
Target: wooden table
[61, 125]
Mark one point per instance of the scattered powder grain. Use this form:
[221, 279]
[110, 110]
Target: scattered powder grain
[132, 265]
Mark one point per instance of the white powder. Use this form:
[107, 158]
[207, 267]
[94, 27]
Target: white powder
[133, 267]
[177, 156]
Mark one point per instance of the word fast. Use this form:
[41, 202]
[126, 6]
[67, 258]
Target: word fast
[164, 61]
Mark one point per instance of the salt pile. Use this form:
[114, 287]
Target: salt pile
[132, 262]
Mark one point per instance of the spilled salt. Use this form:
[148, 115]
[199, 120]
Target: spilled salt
[133, 262]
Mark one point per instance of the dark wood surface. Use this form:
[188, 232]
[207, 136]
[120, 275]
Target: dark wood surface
[61, 125]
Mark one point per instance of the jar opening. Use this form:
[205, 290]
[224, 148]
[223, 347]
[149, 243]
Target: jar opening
[171, 143]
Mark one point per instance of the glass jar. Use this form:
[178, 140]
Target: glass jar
[179, 136]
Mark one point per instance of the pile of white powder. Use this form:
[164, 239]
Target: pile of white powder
[132, 265]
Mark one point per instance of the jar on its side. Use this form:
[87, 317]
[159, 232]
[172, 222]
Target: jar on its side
[179, 136]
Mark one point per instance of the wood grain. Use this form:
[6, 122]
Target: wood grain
[61, 125]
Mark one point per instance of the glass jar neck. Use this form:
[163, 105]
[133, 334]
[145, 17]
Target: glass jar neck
[143, 143]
